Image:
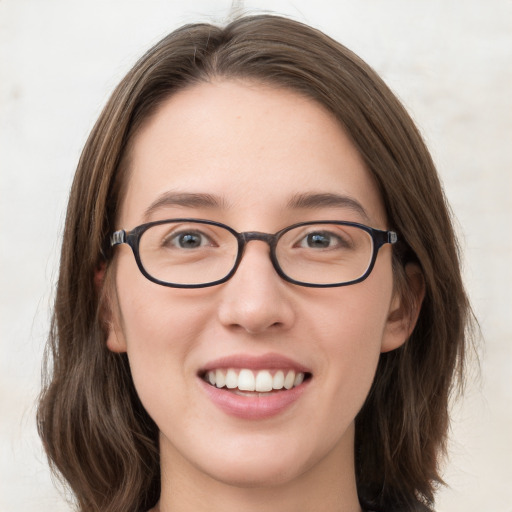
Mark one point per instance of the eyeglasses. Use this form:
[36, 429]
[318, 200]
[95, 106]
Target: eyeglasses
[193, 253]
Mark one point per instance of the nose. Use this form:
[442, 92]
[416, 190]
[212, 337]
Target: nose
[256, 299]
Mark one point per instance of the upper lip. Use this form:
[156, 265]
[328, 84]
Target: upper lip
[268, 361]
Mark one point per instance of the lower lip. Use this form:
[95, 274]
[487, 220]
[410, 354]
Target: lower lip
[253, 407]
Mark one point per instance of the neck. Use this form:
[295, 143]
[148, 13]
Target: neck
[328, 485]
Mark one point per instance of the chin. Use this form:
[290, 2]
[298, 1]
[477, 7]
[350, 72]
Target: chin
[260, 465]
[256, 475]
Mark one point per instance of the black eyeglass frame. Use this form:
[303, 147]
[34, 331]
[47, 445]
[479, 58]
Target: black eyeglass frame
[132, 238]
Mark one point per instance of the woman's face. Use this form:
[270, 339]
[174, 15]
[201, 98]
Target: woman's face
[241, 154]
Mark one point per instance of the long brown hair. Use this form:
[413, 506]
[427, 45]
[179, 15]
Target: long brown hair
[95, 430]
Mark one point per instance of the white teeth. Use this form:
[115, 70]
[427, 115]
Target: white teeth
[231, 379]
[220, 378]
[246, 381]
[263, 381]
[260, 381]
[278, 380]
[289, 379]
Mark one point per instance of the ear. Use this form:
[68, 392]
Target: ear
[404, 309]
[115, 338]
[109, 310]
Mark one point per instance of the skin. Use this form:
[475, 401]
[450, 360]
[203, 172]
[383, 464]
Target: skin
[254, 147]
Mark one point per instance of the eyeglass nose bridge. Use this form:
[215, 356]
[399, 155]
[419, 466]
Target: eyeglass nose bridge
[249, 236]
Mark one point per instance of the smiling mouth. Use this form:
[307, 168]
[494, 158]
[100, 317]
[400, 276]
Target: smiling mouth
[246, 382]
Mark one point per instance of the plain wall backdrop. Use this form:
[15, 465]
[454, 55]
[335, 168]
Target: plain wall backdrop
[449, 61]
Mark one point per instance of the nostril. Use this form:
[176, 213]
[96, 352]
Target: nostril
[275, 325]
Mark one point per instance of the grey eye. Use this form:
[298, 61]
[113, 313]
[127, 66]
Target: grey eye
[188, 240]
[322, 240]
[318, 240]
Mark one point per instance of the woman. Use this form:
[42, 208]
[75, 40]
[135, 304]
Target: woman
[259, 304]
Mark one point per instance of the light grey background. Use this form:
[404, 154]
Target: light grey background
[449, 61]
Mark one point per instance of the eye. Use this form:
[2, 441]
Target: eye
[187, 240]
[322, 240]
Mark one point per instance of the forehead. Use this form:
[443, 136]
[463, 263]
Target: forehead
[252, 147]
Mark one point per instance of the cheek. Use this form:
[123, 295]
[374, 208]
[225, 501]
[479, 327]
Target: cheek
[350, 334]
[353, 319]
[152, 315]
[154, 325]
[160, 332]
[353, 349]
[160, 326]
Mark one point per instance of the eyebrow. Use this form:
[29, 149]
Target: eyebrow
[327, 200]
[184, 199]
[298, 201]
